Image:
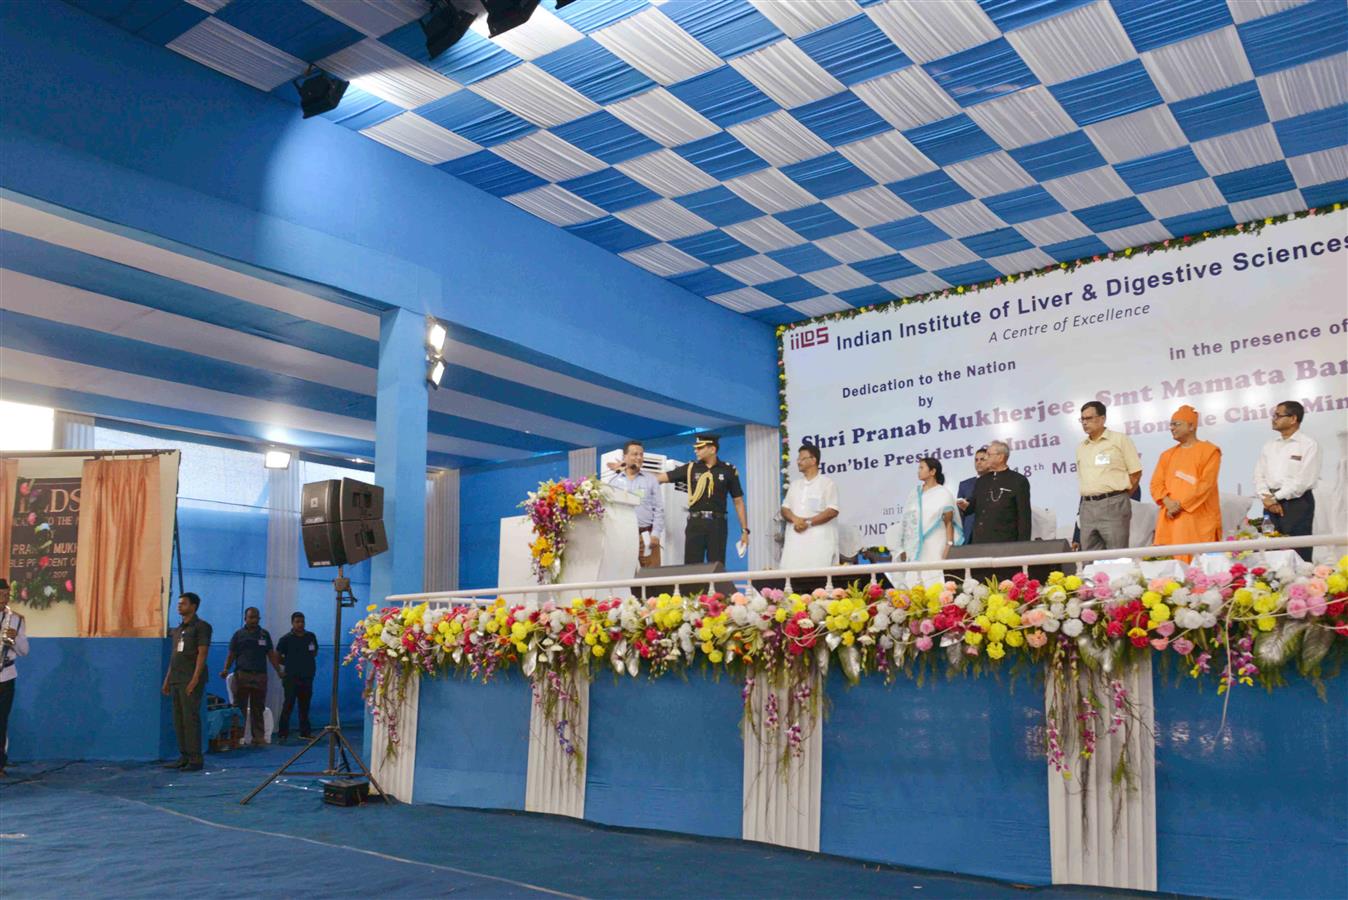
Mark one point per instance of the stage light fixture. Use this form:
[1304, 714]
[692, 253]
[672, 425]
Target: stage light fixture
[277, 459]
[444, 27]
[503, 15]
[561, 3]
[320, 93]
[436, 334]
[435, 371]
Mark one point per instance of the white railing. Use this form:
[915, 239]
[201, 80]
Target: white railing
[848, 574]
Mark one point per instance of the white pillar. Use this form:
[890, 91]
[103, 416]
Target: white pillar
[555, 782]
[283, 565]
[72, 431]
[395, 773]
[582, 463]
[782, 792]
[1101, 833]
[762, 491]
[442, 530]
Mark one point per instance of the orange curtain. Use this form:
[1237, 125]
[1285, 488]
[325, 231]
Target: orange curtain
[9, 482]
[118, 561]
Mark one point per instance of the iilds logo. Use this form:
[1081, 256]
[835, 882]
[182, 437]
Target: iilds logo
[808, 337]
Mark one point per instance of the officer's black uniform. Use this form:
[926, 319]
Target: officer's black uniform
[705, 536]
[186, 639]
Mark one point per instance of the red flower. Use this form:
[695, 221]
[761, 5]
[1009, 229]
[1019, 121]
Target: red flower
[1139, 640]
[43, 562]
[1114, 629]
[652, 634]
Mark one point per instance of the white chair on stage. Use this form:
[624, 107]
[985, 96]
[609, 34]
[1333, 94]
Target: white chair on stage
[267, 721]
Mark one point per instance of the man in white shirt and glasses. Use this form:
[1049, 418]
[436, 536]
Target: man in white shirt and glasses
[650, 508]
[1288, 467]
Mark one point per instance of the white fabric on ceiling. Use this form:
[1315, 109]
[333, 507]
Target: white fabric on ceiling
[887, 157]
[1075, 43]
[662, 260]
[837, 278]
[990, 174]
[744, 300]
[1306, 88]
[964, 219]
[652, 44]
[1182, 198]
[1272, 205]
[1053, 229]
[914, 284]
[548, 156]
[870, 206]
[1021, 118]
[228, 50]
[1147, 131]
[1320, 166]
[373, 18]
[907, 98]
[930, 31]
[1088, 188]
[1021, 261]
[663, 118]
[409, 133]
[378, 69]
[539, 36]
[1200, 65]
[941, 255]
[819, 306]
[557, 205]
[1246, 10]
[796, 18]
[770, 191]
[667, 173]
[853, 246]
[785, 73]
[533, 94]
[1239, 150]
[757, 269]
[764, 235]
[1134, 235]
[665, 220]
[780, 139]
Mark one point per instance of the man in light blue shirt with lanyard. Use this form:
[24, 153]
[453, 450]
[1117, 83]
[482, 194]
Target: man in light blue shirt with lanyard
[651, 509]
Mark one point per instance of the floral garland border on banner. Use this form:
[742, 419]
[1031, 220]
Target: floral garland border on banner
[1235, 627]
[550, 509]
[1253, 227]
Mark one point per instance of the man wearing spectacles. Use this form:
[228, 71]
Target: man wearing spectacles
[1288, 467]
[1108, 470]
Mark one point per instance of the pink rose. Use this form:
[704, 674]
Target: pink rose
[1157, 584]
[1296, 608]
[924, 643]
[1102, 593]
[738, 599]
[1100, 579]
[1316, 587]
[1182, 646]
[1089, 616]
[1323, 571]
[926, 626]
[819, 594]
[1034, 617]
[1160, 643]
[1166, 628]
[1036, 639]
[839, 593]
[1316, 606]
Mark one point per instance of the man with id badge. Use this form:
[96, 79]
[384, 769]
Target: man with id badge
[185, 680]
[251, 646]
[1184, 485]
[1108, 471]
[298, 650]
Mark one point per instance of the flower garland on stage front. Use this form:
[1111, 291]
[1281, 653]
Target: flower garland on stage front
[550, 509]
[1238, 627]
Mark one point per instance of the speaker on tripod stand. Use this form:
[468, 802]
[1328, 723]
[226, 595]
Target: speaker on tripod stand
[342, 522]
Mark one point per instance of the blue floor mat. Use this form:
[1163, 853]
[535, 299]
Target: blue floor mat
[121, 830]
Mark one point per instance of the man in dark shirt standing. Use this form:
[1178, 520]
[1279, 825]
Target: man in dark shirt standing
[1001, 501]
[185, 680]
[298, 649]
[251, 646]
[709, 481]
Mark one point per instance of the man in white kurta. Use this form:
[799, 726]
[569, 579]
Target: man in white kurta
[810, 510]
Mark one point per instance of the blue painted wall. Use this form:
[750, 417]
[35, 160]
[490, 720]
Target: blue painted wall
[472, 742]
[104, 123]
[1261, 808]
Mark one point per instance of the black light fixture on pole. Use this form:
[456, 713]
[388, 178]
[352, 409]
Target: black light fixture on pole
[342, 523]
[319, 91]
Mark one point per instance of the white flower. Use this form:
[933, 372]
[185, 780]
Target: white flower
[805, 625]
[975, 607]
[1209, 620]
[817, 609]
[1056, 610]
[1071, 628]
[1133, 591]
[1180, 597]
[881, 621]
[739, 615]
[1212, 599]
[1073, 608]
[980, 591]
[1051, 625]
[971, 585]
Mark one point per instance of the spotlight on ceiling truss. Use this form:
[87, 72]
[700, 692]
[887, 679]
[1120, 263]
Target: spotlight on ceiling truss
[319, 92]
[503, 15]
[444, 26]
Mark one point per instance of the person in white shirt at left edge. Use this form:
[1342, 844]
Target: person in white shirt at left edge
[13, 644]
[810, 508]
[1288, 467]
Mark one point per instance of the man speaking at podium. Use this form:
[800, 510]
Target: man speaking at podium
[651, 508]
[708, 480]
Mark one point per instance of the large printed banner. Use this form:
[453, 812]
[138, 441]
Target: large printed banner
[1231, 326]
[46, 518]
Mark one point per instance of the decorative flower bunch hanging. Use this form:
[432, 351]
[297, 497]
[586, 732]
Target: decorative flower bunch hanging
[551, 509]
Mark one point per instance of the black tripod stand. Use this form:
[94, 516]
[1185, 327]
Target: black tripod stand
[338, 745]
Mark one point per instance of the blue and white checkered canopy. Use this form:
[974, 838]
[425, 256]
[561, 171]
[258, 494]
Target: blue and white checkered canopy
[789, 158]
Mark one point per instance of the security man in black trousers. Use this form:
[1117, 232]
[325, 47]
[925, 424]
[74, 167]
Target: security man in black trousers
[708, 480]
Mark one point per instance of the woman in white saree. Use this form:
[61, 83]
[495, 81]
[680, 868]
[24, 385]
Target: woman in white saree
[930, 523]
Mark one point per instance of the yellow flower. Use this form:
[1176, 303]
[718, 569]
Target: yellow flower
[1170, 587]
[371, 608]
[715, 656]
[933, 607]
[708, 647]
[1150, 599]
[1015, 638]
[973, 638]
[983, 622]
[1266, 623]
[1243, 597]
[996, 634]
[780, 614]
[1055, 577]
[1266, 604]
[597, 649]
[1337, 583]
[1160, 612]
[591, 638]
[1071, 582]
[848, 639]
[995, 650]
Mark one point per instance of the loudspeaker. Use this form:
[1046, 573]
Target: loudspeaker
[725, 588]
[342, 522]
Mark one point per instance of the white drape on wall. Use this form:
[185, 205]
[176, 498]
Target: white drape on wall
[763, 491]
[442, 530]
[582, 463]
[283, 564]
[71, 431]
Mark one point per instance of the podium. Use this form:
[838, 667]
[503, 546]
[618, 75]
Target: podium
[595, 550]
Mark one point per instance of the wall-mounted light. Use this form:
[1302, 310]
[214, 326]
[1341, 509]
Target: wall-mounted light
[277, 459]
